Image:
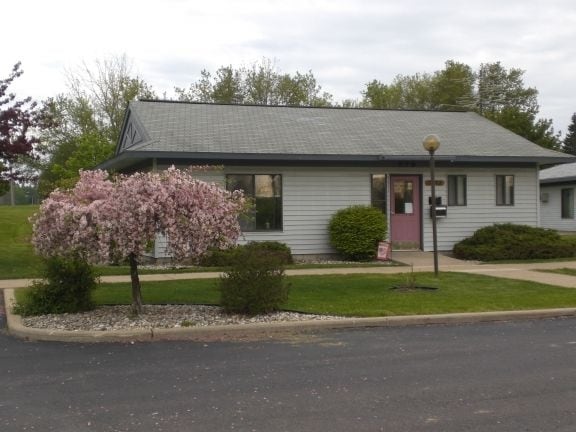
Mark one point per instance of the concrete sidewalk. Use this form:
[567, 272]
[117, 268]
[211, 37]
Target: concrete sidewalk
[416, 261]
[424, 261]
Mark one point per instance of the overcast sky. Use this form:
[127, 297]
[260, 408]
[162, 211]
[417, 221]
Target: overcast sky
[346, 43]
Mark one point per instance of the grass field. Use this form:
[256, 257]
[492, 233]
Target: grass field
[349, 295]
[367, 295]
[564, 271]
[17, 258]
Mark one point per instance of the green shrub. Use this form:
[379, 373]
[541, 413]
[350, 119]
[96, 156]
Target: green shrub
[514, 242]
[220, 257]
[66, 288]
[227, 257]
[256, 284]
[281, 250]
[355, 232]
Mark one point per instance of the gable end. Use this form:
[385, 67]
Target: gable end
[132, 136]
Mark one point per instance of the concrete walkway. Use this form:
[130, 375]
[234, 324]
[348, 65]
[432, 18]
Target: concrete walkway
[424, 261]
[416, 261]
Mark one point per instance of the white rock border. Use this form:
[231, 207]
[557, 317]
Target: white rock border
[158, 316]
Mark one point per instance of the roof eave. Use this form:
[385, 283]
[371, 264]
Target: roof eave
[129, 158]
[567, 179]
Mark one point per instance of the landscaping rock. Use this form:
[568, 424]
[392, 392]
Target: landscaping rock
[157, 316]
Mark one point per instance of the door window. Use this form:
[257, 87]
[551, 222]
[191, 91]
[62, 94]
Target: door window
[403, 197]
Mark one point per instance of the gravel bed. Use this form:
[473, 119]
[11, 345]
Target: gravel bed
[166, 316]
[157, 316]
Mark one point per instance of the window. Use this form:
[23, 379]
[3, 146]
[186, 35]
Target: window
[265, 190]
[379, 192]
[567, 203]
[456, 190]
[403, 197]
[505, 190]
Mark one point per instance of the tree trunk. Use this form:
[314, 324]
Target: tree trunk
[136, 293]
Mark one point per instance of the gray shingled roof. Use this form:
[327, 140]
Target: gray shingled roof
[559, 174]
[195, 129]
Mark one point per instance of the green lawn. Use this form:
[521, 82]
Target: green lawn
[17, 258]
[368, 295]
[564, 271]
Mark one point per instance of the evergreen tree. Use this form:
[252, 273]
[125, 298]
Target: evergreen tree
[569, 144]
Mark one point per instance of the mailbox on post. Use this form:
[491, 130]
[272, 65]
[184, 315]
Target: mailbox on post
[441, 211]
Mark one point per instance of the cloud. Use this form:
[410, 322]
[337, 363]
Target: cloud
[346, 43]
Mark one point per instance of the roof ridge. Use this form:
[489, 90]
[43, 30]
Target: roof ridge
[170, 101]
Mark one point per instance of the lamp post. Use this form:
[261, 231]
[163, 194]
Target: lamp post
[431, 143]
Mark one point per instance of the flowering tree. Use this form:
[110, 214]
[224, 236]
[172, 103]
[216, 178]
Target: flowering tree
[103, 219]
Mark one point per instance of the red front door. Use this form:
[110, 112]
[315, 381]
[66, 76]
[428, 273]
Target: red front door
[405, 212]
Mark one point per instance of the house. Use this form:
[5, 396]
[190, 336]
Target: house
[557, 206]
[303, 164]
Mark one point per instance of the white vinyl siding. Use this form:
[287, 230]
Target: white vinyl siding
[551, 208]
[312, 195]
[481, 209]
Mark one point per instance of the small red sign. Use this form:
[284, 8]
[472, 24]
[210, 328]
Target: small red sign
[384, 251]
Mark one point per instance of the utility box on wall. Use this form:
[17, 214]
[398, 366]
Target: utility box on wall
[441, 211]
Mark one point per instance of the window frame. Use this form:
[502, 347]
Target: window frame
[505, 194]
[381, 203]
[252, 196]
[455, 177]
[564, 205]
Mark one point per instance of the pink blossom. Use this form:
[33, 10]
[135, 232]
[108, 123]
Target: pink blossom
[119, 217]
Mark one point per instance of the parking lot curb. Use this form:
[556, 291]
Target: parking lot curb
[264, 330]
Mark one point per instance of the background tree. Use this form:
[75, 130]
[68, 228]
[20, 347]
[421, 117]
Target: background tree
[17, 119]
[494, 92]
[453, 87]
[227, 88]
[87, 120]
[107, 86]
[382, 96]
[525, 124]
[102, 219]
[262, 83]
[569, 144]
[499, 88]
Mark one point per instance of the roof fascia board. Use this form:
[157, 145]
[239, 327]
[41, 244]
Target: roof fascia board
[558, 180]
[273, 157]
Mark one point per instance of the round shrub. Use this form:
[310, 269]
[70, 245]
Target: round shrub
[514, 242]
[355, 232]
[66, 288]
[256, 284]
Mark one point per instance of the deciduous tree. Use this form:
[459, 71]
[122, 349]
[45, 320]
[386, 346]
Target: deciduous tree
[262, 84]
[105, 218]
[494, 91]
[87, 119]
[17, 119]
